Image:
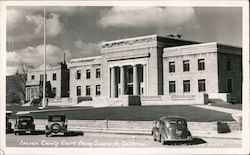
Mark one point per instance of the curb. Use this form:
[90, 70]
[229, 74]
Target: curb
[147, 134]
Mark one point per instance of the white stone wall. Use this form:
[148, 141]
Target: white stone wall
[83, 65]
[191, 53]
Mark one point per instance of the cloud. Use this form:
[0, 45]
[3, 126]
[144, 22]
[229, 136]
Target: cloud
[145, 17]
[34, 56]
[87, 49]
[25, 25]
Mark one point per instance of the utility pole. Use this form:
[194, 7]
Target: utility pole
[44, 42]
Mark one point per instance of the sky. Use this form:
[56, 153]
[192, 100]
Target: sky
[78, 31]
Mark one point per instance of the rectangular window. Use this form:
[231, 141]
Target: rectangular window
[202, 85]
[78, 90]
[171, 67]
[42, 77]
[186, 65]
[186, 85]
[229, 85]
[228, 64]
[171, 86]
[88, 90]
[201, 64]
[54, 90]
[98, 90]
[32, 77]
[78, 74]
[54, 76]
[98, 73]
[88, 74]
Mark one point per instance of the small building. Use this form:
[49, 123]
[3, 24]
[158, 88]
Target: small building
[85, 77]
[209, 68]
[57, 75]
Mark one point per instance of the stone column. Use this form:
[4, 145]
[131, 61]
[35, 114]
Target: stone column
[135, 80]
[145, 79]
[113, 93]
[122, 82]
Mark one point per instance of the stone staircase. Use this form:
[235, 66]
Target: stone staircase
[152, 100]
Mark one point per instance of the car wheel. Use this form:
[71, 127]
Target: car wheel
[15, 132]
[162, 139]
[55, 127]
[154, 137]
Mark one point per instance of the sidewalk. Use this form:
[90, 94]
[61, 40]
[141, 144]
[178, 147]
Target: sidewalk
[226, 110]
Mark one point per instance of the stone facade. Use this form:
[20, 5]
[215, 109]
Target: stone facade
[87, 85]
[207, 71]
[57, 75]
[140, 66]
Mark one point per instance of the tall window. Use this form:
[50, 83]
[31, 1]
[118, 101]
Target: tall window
[42, 77]
[88, 90]
[54, 76]
[201, 85]
[78, 90]
[88, 74]
[98, 90]
[171, 67]
[186, 85]
[228, 63]
[98, 73]
[229, 85]
[78, 74]
[32, 77]
[171, 86]
[201, 64]
[186, 65]
[54, 90]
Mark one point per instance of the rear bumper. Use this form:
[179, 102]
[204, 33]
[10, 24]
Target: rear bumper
[22, 130]
[180, 139]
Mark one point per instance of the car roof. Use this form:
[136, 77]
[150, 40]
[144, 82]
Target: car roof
[25, 116]
[167, 118]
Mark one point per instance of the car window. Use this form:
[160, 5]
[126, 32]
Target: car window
[25, 118]
[56, 119]
[177, 122]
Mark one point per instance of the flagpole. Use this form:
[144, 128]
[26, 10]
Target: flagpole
[44, 42]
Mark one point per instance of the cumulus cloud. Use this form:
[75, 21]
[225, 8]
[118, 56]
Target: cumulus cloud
[34, 56]
[87, 49]
[24, 26]
[145, 16]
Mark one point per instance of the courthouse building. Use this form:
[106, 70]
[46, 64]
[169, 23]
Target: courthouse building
[169, 68]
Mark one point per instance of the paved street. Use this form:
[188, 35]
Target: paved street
[88, 140]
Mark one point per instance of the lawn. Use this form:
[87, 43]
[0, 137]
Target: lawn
[140, 113]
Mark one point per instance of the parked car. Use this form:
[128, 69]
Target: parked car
[171, 128]
[8, 123]
[24, 123]
[35, 102]
[56, 124]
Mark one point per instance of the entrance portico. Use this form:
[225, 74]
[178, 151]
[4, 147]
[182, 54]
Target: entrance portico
[128, 79]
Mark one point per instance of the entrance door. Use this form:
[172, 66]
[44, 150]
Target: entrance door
[130, 89]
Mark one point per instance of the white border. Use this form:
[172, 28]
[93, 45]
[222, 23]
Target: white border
[231, 3]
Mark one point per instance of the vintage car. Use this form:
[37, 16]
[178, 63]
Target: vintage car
[171, 128]
[56, 124]
[24, 123]
[8, 123]
[35, 102]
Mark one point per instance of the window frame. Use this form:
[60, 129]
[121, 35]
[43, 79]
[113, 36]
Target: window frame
[201, 64]
[88, 74]
[186, 65]
[188, 84]
[172, 84]
[171, 67]
[201, 84]
[88, 90]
